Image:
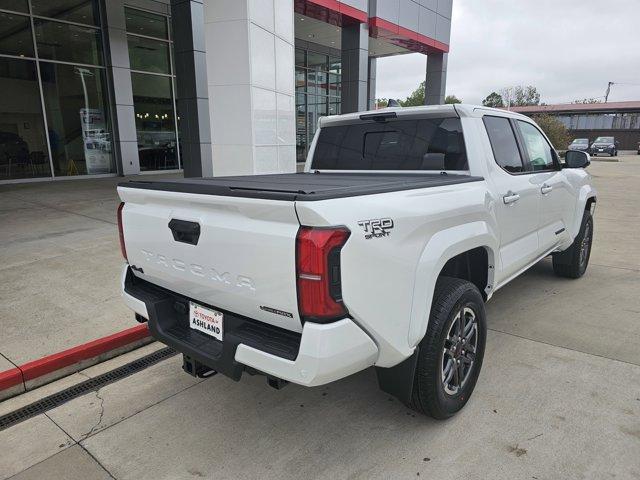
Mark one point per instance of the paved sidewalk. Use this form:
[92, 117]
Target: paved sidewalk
[59, 267]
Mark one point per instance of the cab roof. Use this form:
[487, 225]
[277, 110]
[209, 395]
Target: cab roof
[426, 111]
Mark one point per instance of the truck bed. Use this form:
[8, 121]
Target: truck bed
[303, 186]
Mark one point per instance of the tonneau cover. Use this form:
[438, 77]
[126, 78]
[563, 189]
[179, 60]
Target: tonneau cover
[303, 186]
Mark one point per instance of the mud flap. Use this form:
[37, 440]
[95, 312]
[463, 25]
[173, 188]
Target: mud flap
[398, 381]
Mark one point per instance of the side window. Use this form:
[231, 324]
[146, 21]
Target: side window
[503, 142]
[540, 152]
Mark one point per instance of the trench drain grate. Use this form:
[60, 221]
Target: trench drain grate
[94, 384]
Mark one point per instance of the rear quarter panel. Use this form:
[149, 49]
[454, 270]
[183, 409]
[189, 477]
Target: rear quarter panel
[387, 282]
[581, 181]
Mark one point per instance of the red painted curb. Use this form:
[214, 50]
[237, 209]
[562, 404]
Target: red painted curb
[57, 361]
[10, 378]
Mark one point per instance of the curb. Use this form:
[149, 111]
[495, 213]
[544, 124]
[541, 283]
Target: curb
[46, 369]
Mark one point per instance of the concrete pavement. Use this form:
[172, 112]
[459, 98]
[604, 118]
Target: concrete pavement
[59, 267]
[558, 396]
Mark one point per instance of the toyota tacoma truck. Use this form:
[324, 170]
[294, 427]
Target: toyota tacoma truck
[382, 253]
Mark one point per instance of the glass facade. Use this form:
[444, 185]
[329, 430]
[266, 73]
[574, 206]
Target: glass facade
[602, 121]
[155, 121]
[152, 80]
[54, 119]
[56, 89]
[79, 137]
[318, 93]
[23, 144]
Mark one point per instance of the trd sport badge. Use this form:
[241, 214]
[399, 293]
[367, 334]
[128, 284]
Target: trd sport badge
[376, 228]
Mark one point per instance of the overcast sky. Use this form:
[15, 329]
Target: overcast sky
[569, 49]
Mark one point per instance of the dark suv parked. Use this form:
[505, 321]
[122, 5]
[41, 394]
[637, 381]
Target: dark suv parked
[604, 145]
[580, 144]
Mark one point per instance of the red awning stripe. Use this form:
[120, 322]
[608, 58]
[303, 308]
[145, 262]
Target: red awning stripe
[342, 8]
[405, 37]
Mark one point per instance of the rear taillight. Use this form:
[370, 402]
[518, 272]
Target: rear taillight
[123, 249]
[318, 273]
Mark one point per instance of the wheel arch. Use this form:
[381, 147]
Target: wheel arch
[455, 250]
[587, 199]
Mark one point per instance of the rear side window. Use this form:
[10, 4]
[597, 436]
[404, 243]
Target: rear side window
[503, 142]
[424, 144]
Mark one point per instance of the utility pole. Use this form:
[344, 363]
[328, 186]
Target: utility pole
[606, 95]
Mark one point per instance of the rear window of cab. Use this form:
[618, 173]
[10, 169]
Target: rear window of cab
[418, 144]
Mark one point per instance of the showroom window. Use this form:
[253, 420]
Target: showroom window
[318, 85]
[54, 119]
[23, 145]
[153, 84]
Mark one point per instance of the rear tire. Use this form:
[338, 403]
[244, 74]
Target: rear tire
[573, 262]
[447, 372]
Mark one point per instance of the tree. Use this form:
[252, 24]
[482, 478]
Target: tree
[416, 98]
[494, 99]
[449, 99]
[381, 102]
[520, 96]
[588, 100]
[555, 130]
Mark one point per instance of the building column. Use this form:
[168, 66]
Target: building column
[125, 142]
[250, 60]
[436, 79]
[192, 102]
[371, 85]
[355, 67]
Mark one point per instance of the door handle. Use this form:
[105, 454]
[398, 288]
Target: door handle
[545, 188]
[510, 197]
[184, 231]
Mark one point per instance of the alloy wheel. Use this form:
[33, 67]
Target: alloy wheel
[458, 354]
[585, 244]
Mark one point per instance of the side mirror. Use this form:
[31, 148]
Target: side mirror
[577, 159]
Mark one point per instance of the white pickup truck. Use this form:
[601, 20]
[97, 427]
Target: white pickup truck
[381, 253]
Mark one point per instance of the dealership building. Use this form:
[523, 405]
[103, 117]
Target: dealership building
[215, 87]
[620, 120]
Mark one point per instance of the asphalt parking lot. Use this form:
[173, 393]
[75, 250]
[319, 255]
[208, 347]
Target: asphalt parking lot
[558, 396]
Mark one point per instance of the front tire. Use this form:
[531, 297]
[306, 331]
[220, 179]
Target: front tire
[573, 262]
[451, 352]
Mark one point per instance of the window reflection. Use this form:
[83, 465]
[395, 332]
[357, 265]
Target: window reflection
[148, 55]
[15, 5]
[318, 93]
[145, 23]
[79, 11]
[15, 35]
[77, 118]
[68, 43]
[155, 122]
[22, 139]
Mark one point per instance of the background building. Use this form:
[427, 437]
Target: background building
[615, 119]
[102, 87]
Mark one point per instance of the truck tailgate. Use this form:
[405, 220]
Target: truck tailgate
[243, 260]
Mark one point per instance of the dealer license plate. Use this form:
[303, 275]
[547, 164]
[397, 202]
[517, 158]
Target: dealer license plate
[206, 320]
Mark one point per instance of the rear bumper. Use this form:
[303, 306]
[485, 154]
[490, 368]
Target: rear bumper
[322, 353]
